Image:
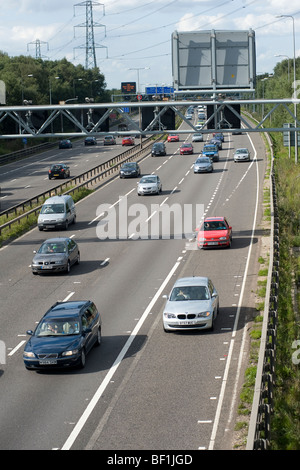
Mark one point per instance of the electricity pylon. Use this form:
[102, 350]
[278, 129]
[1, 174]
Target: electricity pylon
[38, 43]
[90, 45]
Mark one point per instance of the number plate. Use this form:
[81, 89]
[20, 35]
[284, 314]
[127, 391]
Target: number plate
[212, 243]
[187, 322]
[48, 362]
[46, 267]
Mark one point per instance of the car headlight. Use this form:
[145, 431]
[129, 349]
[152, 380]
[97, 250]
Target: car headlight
[169, 315]
[201, 239]
[72, 352]
[223, 238]
[203, 314]
[28, 354]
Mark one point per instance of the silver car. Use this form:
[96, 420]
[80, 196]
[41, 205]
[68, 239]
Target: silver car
[149, 184]
[203, 165]
[192, 304]
[197, 137]
[55, 254]
[241, 155]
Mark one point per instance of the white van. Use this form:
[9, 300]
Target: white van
[57, 212]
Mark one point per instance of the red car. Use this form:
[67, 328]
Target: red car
[186, 149]
[215, 232]
[128, 141]
[173, 138]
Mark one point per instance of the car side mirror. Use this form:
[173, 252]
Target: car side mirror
[165, 296]
[29, 332]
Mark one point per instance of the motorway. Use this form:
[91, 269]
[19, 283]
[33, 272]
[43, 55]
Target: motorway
[143, 388]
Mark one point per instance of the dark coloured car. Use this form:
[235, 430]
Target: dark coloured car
[158, 148]
[90, 141]
[54, 255]
[216, 142]
[130, 169]
[59, 170]
[64, 336]
[219, 135]
[65, 144]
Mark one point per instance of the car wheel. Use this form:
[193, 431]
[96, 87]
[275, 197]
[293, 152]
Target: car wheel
[68, 268]
[66, 225]
[78, 259]
[99, 337]
[82, 359]
[40, 229]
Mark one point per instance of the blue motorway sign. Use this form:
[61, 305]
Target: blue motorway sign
[159, 90]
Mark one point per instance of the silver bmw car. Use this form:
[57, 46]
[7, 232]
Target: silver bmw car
[55, 254]
[192, 304]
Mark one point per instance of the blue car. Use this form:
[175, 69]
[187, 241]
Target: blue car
[64, 336]
[211, 151]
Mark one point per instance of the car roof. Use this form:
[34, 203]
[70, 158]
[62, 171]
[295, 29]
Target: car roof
[192, 281]
[65, 309]
[57, 199]
[56, 240]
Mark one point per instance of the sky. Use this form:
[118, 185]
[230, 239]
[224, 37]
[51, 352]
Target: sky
[133, 37]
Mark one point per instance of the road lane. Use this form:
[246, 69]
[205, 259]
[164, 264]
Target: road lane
[122, 290]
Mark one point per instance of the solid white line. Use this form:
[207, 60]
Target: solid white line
[84, 417]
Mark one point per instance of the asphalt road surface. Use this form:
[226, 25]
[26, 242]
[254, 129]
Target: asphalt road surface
[143, 388]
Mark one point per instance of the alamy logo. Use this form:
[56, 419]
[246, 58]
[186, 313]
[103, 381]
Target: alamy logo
[138, 221]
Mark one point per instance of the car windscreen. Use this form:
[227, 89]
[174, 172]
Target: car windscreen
[58, 327]
[52, 247]
[189, 293]
[129, 165]
[214, 226]
[53, 209]
[148, 180]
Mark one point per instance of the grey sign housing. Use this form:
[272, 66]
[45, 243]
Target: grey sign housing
[213, 60]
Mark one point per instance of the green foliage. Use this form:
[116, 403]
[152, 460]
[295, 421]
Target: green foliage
[32, 79]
